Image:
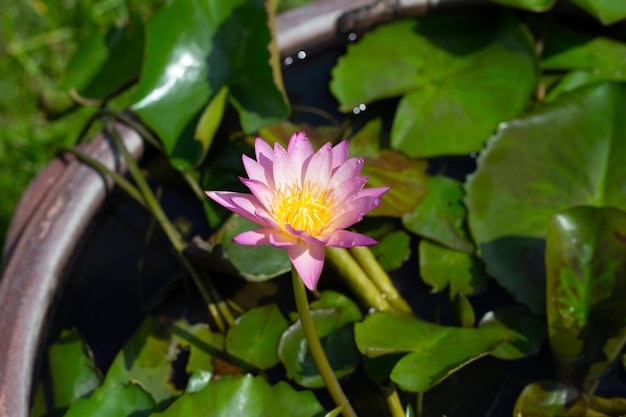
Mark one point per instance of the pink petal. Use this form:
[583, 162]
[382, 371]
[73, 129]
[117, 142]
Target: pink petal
[340, 154]
[354, 212]
[373, 192]
[348, 239]
[257, 171]
[263, 151]
[347, 190]
[254, 237]
[260, 190]
[319, 168]
[243, 204]
[308, 259]
[303, 235]
[350, 168]
[299, 149]
[284, 174]
[281, 239]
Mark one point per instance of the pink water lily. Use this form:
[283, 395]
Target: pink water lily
[303, 200]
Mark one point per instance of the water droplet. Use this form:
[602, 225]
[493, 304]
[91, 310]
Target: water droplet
[356, 110]
[352, 37]
[362, 106]
[473, 155]
[301, 54]
[288, 61]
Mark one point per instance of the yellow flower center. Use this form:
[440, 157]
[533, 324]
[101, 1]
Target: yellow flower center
[305, 210]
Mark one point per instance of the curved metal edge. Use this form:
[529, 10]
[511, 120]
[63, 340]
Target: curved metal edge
[30, 283]
[325, 21]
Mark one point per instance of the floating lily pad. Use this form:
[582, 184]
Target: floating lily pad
[568, 153]
[193, 50]
[433, 351]
[459, 75]
[114, 400]
[586, 265]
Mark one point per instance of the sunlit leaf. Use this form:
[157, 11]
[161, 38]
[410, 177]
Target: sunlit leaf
[114, 400]
[529, 331]
[392, 250]
[586, 268]
[549, 399]
[73, 374]
[607, 12]
[254, 263]
[148, 356]
[244, 396]
[568, 153]
[106, 62]
[459, 75]
[441, 267]
[331, 315]
[440, 216]
[433, 351]
[193, 50]
[253, 338]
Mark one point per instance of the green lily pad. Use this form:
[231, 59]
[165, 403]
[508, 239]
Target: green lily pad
[392, 250]
[105, 63]
[114, 400]
[244, 396]
[588, 59]
[73, 375]
[433, 351]
[331, 315]
[441, 267]
[567, 153]
[147, 357]
[193, 50]
[529, 331]
[441, 215]
[607, 12]
[459, 75]
[254, 263]
[549, 398]
[253, 338]
[586, 267]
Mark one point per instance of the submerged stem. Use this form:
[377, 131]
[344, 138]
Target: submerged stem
[316, 349]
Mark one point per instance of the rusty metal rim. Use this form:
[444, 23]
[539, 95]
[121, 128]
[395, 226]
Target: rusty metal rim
[57, 207]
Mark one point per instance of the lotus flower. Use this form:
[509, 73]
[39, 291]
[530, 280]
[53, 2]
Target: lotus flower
[303, 200]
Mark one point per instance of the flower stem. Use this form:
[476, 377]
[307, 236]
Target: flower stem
[152, 203]
[393, 401]
[379, 277]
[356, 279]
[316, 349]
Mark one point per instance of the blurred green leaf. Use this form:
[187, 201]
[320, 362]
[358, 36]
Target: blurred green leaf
[586, 269]
[454, 72]
[105, 63]
[148, 356]
[529, 331]
[441, 215]
[441, 267]
[114, 400]
[331, 315]
[464, 314]
[533, 5]
[193, 50]
[73, 375]
[589, 59]
[244, 396]
[255, 263]
[392, 250]
[607, 12]
[568, 153]
[550, 398]
[253, 338]
[434, 351]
